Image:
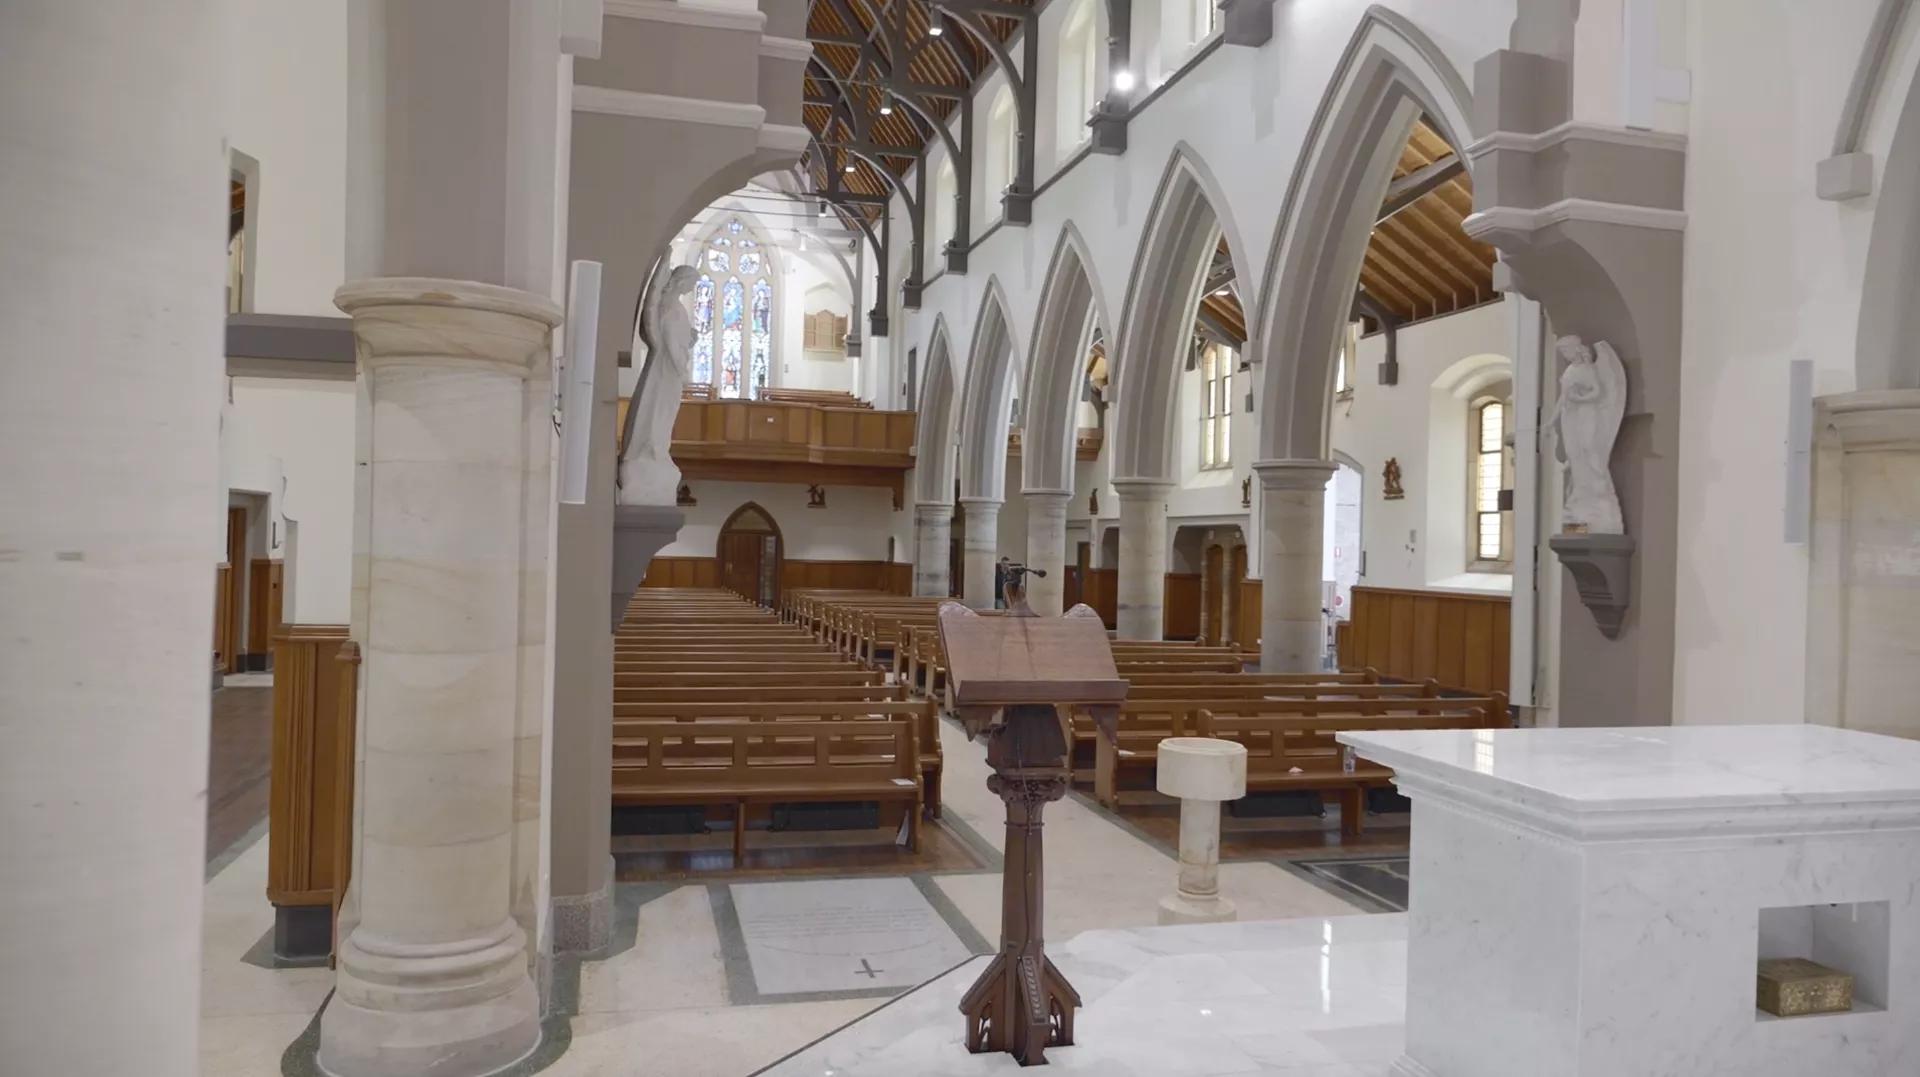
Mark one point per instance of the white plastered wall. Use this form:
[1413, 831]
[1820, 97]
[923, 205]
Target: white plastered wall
[1773, 274]
[855, 525]
[1419, 541]
[286, 107]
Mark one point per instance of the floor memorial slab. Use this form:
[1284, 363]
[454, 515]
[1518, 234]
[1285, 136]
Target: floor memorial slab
[834, 935]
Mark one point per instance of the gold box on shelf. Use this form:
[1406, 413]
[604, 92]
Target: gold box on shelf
[1795, 987]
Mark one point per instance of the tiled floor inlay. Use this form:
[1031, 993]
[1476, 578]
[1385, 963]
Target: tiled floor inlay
[820, 935]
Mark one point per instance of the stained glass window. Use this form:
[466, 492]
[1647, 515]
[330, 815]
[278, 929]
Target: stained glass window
[733, 307]
[733, 302]
[702, 366]
[1491, 463]
[759, 366]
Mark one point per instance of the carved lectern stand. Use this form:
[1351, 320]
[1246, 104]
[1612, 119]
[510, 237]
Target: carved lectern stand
[1016, 679]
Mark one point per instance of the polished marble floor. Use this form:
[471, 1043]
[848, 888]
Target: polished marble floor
[1311, 997]
[680, 993]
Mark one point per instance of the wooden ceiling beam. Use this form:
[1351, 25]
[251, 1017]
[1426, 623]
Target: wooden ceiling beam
[1376, 283]
[1416, 185]
[1447, 243]
[1418, 282]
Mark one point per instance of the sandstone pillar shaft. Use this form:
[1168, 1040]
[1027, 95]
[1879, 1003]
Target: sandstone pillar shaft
[1293, 509]
[112, 519]
[433, 978]
[980, 550]
[1143, 558]
[1047, 549]
[932, 548]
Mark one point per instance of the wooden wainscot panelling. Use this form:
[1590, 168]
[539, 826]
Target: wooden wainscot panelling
[1246, 616]
[1458, 639]
[794, 573]
[223, 641]
[1103, 594]
[682, 572]
[263, 610]
[311, 797]
[1180, 605]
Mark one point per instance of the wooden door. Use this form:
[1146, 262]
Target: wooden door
[740, 562]
[1213, 596]
[1236, 577]
[1075, 590]
[234, 615]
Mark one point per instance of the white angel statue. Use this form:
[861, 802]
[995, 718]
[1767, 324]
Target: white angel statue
[647, 473]
[1593, 398]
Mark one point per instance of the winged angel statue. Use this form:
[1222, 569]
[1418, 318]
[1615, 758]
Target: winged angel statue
[1593, 398]
[647, 475]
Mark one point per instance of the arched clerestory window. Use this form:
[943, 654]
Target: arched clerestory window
[1003, 146]
[733, 304]
[1076, 93]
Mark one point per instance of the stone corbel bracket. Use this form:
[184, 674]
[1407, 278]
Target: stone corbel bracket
[639, 532]
[1602, 568]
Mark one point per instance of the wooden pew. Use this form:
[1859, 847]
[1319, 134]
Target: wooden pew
[1296, 753]
[921, 713]
[748, 763]
[1145, 722]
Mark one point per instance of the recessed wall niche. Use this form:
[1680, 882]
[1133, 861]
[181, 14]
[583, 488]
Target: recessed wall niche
[1853, 938]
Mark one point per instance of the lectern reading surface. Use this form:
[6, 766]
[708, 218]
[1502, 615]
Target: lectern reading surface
[1014, 678]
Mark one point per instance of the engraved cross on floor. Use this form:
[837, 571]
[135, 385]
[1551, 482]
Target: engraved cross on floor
[867, 970]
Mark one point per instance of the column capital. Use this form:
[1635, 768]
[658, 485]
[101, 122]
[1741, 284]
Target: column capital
[1143, 489]
[975, 504]
[430, 321]
[1872, 419]
[932, 510]
[1047, 495]
[1294, 474]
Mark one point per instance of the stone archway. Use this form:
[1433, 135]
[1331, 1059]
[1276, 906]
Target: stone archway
[1071, 311]
[986, 403]
[933, 469]
[1182, 232]
[1389, 76]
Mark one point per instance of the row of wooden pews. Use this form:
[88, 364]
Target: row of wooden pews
[1286, 721]
[722, 704]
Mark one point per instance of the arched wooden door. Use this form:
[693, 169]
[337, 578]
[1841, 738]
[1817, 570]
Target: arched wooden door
[1214, 595]
[750, 553]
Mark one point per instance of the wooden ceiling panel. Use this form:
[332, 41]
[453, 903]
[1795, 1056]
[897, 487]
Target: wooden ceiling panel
[1419, 261]
[848, 76]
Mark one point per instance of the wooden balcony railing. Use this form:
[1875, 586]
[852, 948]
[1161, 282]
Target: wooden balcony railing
[797, 442]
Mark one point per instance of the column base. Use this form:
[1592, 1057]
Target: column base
[1187, 909]
[463, 1009]
[583, 924]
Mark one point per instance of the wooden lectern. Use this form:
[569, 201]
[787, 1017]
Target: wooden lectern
[1017, 679]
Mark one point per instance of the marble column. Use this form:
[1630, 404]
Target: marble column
[433, 979]
[979, 550]
[1143, 558]
[1047, 549]
[1863, 639]
[111, 518]
[932, 548]
[1293, 509]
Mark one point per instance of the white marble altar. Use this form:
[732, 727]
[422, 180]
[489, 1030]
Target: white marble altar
[1310, 997]
[1593, 902]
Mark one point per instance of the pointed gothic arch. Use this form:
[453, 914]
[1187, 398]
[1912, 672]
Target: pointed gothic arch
[1071, 307]
[1188, 220]
[1390, 74]
[986, 399]
[933, 451]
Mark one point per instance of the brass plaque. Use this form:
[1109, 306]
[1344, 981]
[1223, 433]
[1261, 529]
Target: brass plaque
[1795, 987]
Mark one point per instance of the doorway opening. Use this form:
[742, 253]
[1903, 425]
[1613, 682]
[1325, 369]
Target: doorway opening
[751, 553]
